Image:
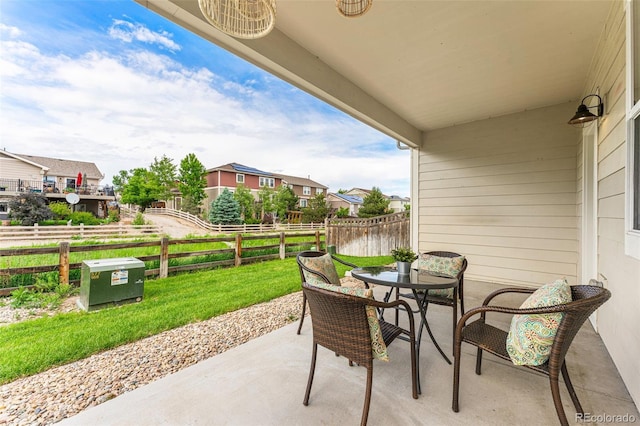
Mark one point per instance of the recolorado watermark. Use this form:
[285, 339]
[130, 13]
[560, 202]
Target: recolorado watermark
[605, 418]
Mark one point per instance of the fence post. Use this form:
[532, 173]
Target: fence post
[238, 249]
[63, 270]
[35, 229]
[82, 230]
[282, 250]
[164, 257]
[318, 240]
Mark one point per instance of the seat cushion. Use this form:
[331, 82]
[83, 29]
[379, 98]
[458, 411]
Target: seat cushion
[442, 265]
[378, 347]
[531, 336]
[323, 264]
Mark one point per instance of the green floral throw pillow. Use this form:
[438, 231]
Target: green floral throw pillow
[378, 347]
[442, 265]
[323, 264]
[531, 336]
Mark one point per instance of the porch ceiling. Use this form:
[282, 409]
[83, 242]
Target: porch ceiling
[407, 67]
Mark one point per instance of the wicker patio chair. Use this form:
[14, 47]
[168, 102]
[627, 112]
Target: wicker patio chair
[445, 300]
[308, 274]
[340, 324]
[585, 300]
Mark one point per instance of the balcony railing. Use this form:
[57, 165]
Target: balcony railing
[37, 186]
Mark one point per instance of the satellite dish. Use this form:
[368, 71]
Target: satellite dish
[72, 198]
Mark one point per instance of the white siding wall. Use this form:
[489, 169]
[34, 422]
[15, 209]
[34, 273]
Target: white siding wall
[618, 319]
[10, 168]
[502, 192]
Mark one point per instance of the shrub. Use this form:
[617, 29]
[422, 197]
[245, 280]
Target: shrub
[114, 216]
[29, 208]
[60, 210]
[86, 218]
[139, 219]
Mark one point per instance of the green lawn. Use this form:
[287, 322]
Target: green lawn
[36, 345]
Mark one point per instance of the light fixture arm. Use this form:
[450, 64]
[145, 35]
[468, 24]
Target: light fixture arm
[600, 105]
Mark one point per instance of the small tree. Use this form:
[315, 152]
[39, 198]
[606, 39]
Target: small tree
[140, 187]
[246, 201]
[192, 179]
[284, 200]
[317, 210]
[225, 210]
[342, 212]
[374, 204]
[29, 208]
[265, 195]
[165, 173]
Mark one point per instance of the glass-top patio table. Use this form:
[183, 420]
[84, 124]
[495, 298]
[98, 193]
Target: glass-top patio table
[419, 282]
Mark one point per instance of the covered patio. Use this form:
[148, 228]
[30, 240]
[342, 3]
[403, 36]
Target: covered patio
[262, 382]
[482, 92]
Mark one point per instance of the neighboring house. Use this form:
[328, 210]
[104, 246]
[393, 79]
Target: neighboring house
[304, 188]
[481, 92]
[396, 203]
[351, 202]
[229, 176]
[54, 178]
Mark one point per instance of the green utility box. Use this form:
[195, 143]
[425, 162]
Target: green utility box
[108, 282]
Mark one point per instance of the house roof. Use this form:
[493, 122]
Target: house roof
[240, 168]
[351, 199]
[294, 180]
[63, 168]
[409, 67]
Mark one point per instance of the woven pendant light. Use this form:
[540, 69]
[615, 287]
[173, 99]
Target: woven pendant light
[353, 8]
[240, 18]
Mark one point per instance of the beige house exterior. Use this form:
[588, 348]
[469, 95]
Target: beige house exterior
[481, 92]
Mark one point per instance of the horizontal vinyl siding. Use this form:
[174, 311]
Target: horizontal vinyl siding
[503, 193]
[618, 318]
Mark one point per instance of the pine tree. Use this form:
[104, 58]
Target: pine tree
[225, 210]
[374, 204]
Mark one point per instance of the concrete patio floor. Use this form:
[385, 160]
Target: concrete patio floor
[262, 382]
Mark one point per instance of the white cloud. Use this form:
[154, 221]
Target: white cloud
[128, 32]
[9, 31]
[122, 111]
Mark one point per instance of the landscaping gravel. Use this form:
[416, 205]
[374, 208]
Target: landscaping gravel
[62, 392]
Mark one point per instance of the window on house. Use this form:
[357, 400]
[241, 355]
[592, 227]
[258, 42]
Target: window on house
[319, 191]
[4, 207]
[306, 190]
[239, 178]
[269, 182]
[303, 202]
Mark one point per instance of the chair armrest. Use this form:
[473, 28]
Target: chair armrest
[344, 262]
[507, 290]
[482, 310]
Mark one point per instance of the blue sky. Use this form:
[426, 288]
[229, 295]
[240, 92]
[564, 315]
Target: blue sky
[113, 83]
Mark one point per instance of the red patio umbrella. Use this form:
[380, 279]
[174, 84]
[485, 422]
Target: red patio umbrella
[79, 180]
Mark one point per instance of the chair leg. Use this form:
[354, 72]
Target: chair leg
[415, 378]
[367, 396]
[572, 392]
[304, 310]
[557, 402]
[461, 297]
[311, 371]
[479, 361]
[455, 322]
[456, 374]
